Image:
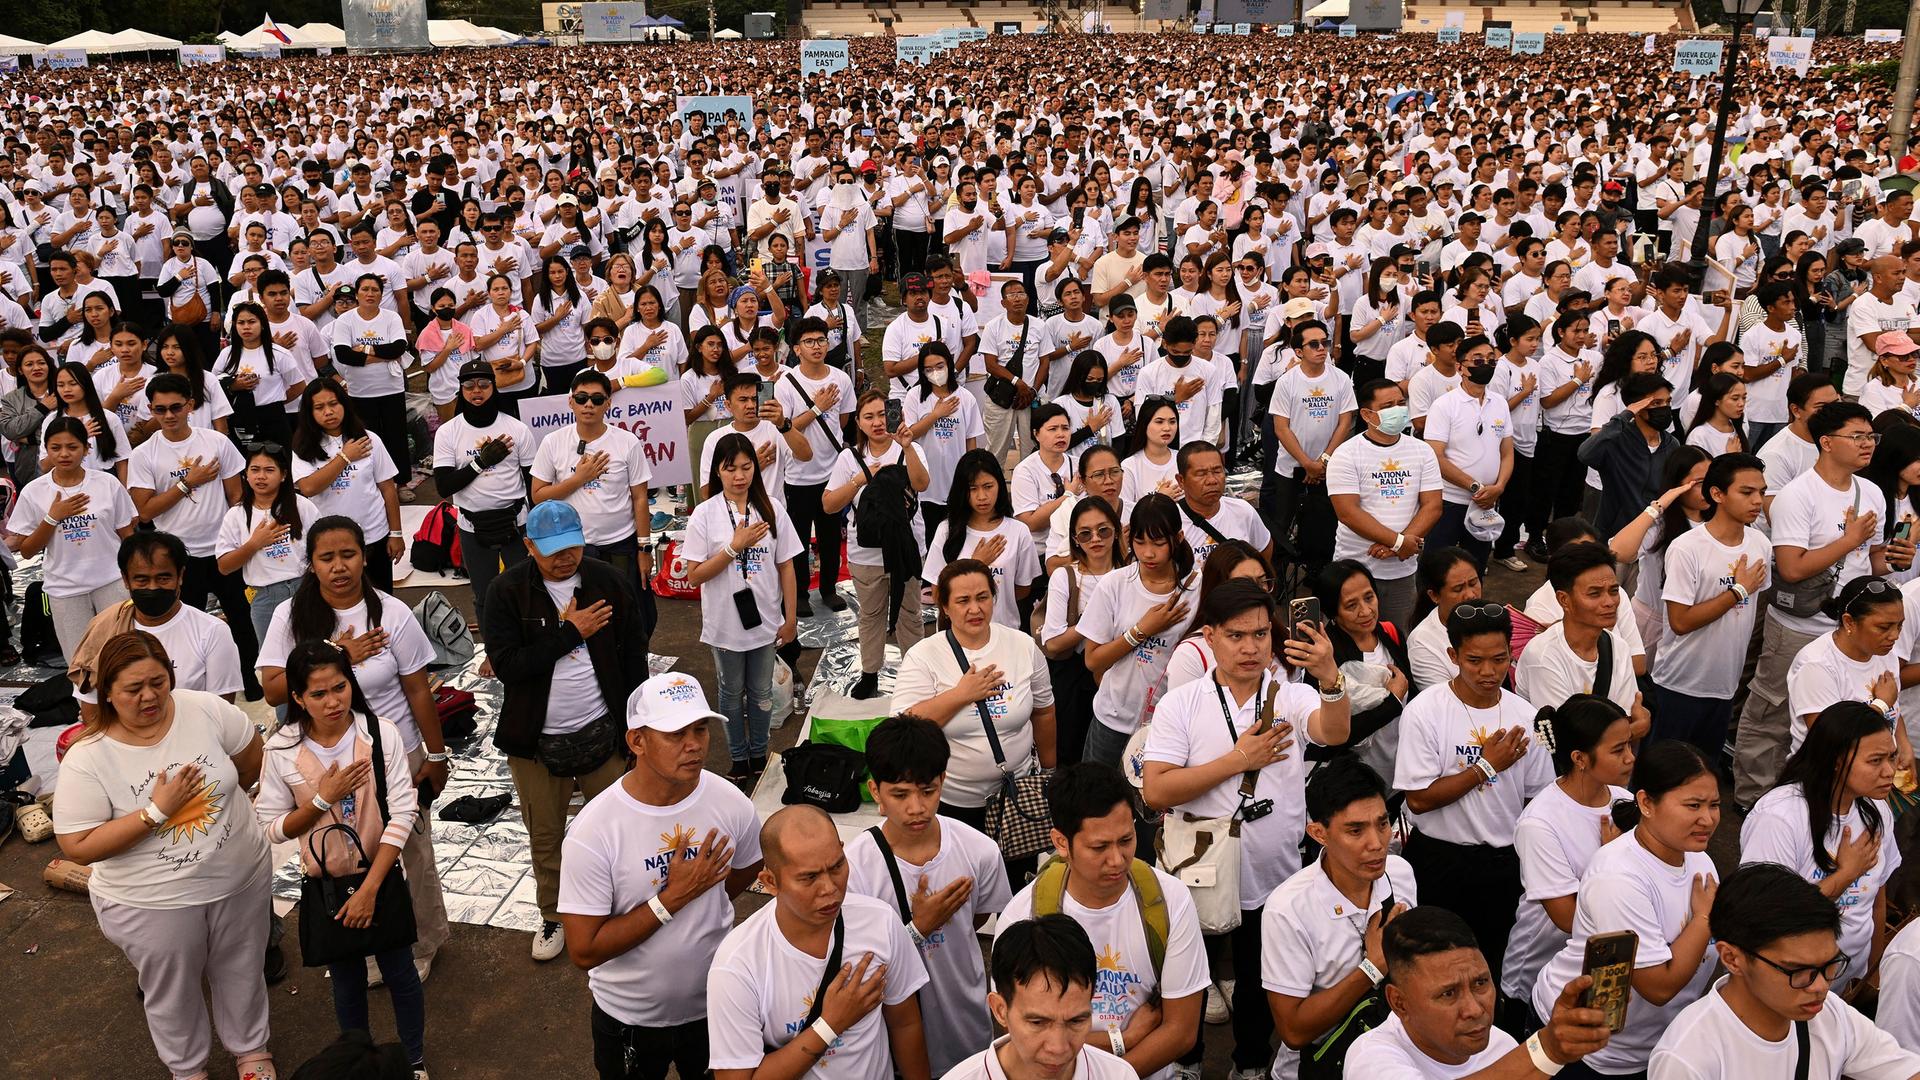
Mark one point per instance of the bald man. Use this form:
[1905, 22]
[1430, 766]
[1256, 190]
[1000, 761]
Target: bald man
[829, 980]
[1881, 309]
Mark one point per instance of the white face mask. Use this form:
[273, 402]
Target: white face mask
[604, 351]
[937, 376]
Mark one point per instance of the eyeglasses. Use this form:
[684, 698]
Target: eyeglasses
[1098, 532]
[1861, 438]
[1104, 474]
[1490, 611]
[681, 212]
[168, 410]
[814, 340]
[589, 399]
[1802, 977]
[1316, 343]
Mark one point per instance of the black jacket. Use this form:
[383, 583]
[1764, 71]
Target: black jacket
[526, 637]
[1629, 469]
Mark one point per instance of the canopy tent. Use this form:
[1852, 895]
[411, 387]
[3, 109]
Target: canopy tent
[1331, 9]
[11, 45]
[261, 37]
[458, 33]
[728, 35]
[141, 41]
[668, 20]
[317, 35]
[92, 41]
[497, 36]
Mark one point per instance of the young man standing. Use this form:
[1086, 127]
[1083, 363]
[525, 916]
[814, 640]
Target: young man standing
[1146, 1004]
[1630, 452]
[945, 878]
[1044, 972]
[777, 443]
[602, 472]
[638, 883]
[1571, 652]
[1438, 375]
[1312, 410]
[834, 975]
[1409, 354]
[1471, 433]
[1385, 488]
[818, 398]
[912, 328]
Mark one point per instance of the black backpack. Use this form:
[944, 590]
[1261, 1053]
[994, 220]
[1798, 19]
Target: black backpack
[884, 519]
[38, 643]
[825, 775]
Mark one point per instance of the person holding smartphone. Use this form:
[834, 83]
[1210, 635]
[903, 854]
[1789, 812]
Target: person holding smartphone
[889, 594]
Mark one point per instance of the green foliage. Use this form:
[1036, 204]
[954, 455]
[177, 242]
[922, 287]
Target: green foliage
[1884, 72]
[1868, 14]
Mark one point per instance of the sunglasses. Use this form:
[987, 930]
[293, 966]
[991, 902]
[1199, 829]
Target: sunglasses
[168, 410]
[589, 399]
[1098, 532]
[600, 341]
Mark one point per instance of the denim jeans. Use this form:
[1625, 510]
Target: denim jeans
[746, 699]
[349, 978]
[265, 599]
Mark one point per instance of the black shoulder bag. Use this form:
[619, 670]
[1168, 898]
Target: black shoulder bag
[893, 871]
[324, 939]
[1017, 817]
[1003, 392]
[818, 416]
[826, 977]
[1603, 668]
[1203, 524]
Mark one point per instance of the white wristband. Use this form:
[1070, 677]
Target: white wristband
[1398, 540]
[51, 520]
[321, 804]
[1372, 973]
[1739, 590]
[1116, 1042]
[825, 1030]
[919, 939]
[1486, 769]
[660, 912]
[1538, 1053]
[156, 815]
[439, 756]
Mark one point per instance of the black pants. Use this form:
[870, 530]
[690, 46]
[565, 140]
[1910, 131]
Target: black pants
[809, 519]
[385, 418]
[484, 564]
[1252, 1017]
[624, 1052]
[931, 515]
[202, 576]
[1073, 690]
[379, 573]
[559, 377]
[1558, 475]
[910, 248]
[1018, 870]
[1451, 531]
[1478, 882]
[1519, 506]
[253, 423]
[1230, 433]
[1700, 721]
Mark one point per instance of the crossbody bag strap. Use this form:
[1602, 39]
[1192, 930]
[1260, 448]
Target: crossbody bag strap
[1603, 669]
[893, 871]
[818, 416]
[832, 970]
[1204, 525]
[993, 737]
[1805, 1038]
[1020, 349]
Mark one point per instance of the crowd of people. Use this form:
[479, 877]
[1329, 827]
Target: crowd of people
[1449, 307]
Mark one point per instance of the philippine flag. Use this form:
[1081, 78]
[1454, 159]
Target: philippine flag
[273, 28]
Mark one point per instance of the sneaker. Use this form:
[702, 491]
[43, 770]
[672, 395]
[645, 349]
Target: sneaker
[738, 773]
[660, 520]
[422, 968]
[832, 599]
[1186, 1072]
[1217, 1006]
[868, 686]
[549, 941]
[1249, 1074]
[1514, 563]
[419, 1072]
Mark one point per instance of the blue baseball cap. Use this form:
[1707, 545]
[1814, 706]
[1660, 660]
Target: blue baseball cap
[554, 526]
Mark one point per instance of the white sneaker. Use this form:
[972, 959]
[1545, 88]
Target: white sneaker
[1249, 1074]
[1216, 1006]
[1186, 1072]
[549, 941]
[1514, 563]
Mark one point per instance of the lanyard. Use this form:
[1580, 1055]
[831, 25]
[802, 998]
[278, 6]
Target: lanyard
[746, 518]
[1226, 708]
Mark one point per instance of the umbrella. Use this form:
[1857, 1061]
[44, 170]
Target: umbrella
[1394, 101]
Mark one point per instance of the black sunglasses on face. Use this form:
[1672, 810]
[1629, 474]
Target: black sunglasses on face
[589, 399]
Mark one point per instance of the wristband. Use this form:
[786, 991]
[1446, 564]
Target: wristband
[1116, 1042]
[731, 554]
[156, 819]
[1486, 769]
[51, 520]
[1131, 638]
[321, 804]
[1883, 708]
[1398, 540]
[1373, 974]
[1538, 1053]
[825, 1030]
[438, 757]
[1653, 510]
[659, 909]
[182, 488]
[1740, 591]
[393, 534]
[919, 939]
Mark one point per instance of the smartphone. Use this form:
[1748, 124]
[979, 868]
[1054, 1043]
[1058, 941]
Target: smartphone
[1305, 609]
[1609, 959]
[1903, 530]
[1613, 327]
[759, 265]
[765, 393]
[894, 417]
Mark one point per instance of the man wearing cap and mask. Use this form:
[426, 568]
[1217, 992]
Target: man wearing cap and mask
[638, 891]
[481, 462]
[565, 638]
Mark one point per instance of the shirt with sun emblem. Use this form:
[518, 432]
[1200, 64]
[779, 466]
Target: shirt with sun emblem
[209, 849]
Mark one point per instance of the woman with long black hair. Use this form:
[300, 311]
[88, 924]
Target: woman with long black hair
[258, 383]
[346, 472]
[1350, 604]
[178, 351]
[980, 524]
[107, 444]
[558, 315]
[1095, 549]
[946, 424]
[1132, 623]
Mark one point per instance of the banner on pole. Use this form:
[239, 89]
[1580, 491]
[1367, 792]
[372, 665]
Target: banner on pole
[1499, 37]
[202, 54]
[653, 414]
[919, 49]
[1449, 35]
[384, 25]
[268, 51]
[1883, 36]
[824, 57]
[1698, 58]
[613, 24]
[1529, 44]
[1790, 52]
[1285, 29]
[9, 63]
[1347, 29]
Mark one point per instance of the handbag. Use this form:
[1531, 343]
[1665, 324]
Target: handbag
[324, 939]
[823, 775]
[577, 753]
[1017, 818]
[1003, 392]
[1805, 598]
[1203, 852]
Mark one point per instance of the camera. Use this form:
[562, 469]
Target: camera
[1253, 811]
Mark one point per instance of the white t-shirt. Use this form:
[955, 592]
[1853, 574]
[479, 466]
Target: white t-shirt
[574, 699]
[1312, 936]
[1869, 315]
[1556, 838]
[1387, 1053]
[1548, 672]
[1389, 481]
[1627, 888]
[709, 532]
[953, 1005]
[1191, 728]
[209, 849]
[929, 670]
[944, 443]
[1130, 689]
[1119, 936]
[84, 552]
[1708, 1041]
[1236, 519]
[1313, 406]
[1899, 1013]
[1427, 386]
[1811, 514]
[379, 377]
[1472, 429]
[605, 503]
[122, 446]
[824, 433]
[1440, 735]
[160, 463]
[202, 650]
[616, 858]
[1705, 663]
[845, 468]
[1199, 414]
[1092, 1063]
[1777, 832]
[760, 986]
[1017, 565]
[355, 493]
[407, 651]
[1033, 484]
[1767, 398]
[1140, 477]
[499, 485]
[1821, 674]
[763, 434]
[284, 560]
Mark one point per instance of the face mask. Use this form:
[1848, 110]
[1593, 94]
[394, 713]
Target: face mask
[1096, 389]
[937, 376]
[1394, 420]
[153, 603]
[969, 205]
[1480, 374]
[1660, 417]
[604, 351]
[444, 314]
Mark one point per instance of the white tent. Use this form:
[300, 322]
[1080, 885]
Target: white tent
[93, 41]
[495, 35]
[728, 35]
[11, 45]
[317, 35]
[1332, 9]
[258, 38]
[141, 41]
[456, 33]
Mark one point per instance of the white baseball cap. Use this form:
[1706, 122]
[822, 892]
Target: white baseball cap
[668, 702]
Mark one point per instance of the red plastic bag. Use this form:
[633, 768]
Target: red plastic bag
[670, 574]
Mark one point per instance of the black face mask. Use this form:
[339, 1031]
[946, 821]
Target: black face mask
[481, 415]
[1095, 389]
[443, 314]
[1480, 374]
[1659, 417]
[153, 603]
[1179, 359]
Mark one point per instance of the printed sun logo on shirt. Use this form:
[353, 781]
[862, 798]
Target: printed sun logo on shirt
[197, 816]
[1116, 991]
[1468, 753]
[1392, 478]
[682, 836]
[1318, 403]
[794, 1027]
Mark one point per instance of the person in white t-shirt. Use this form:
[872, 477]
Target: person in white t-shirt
[346, 472]
[1311, 413]
[1466, 765]
[1320, 952]
[481, 456]
[1210, 518]
[604, 472]
[1565, 659]
[1853, 662]
[1443, 1000]
[638, 877]
[1840, 778]
[1385, 486]
[943, 876]
[1044, 974]
[821, 981]
[1775, 1012]
[78, 516]
[761, 423]
[200, 646]
[1656, 881]
[256, 536]
[1471, 432]
[1147, 1000]
[1561, 829]
[1899, 1013]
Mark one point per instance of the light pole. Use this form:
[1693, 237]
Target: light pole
[1739, 13]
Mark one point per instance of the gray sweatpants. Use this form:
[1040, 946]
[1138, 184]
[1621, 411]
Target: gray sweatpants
[71, 614]
[174, 950]
[1760, 743]
[1397, 598]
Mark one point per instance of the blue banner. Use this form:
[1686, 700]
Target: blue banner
[1499, 37]
[65, 58]
[719, 109]
[1532, 44]
[1449, 35]
[1698, 58]
[824, 57]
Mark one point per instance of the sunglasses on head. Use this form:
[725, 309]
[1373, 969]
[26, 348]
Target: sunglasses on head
[584, 398]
